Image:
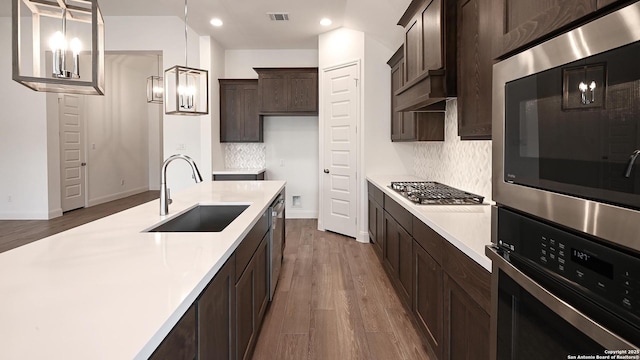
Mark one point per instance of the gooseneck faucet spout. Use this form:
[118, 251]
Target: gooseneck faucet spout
[165, 197]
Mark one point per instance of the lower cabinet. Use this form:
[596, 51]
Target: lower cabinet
[446, 291]
[252, 297]
[180, 343]
[428, 297]
[376, 219]
[216, 316]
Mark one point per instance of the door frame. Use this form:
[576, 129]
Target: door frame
[361, 236]
[84, 150]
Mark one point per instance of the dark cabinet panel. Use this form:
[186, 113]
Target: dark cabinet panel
[475, 69]
[405, 265]
[427, 297]
[391, 244]
[288, 91]
[376, 218]
[238, 177]
[466, 325]
[261, 281]
[526, 22]
[216, 316]
[239, 118]
[475, 279]
[430, 55]
[180, 343]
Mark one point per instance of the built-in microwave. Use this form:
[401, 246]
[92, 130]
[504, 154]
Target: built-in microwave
[566, 129]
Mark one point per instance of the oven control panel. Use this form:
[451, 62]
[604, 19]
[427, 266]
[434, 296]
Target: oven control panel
[605, 271]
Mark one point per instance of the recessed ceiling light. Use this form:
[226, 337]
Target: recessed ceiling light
[325, 22]
[216, 22]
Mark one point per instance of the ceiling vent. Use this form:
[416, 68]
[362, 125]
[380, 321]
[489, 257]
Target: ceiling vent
[278, 16]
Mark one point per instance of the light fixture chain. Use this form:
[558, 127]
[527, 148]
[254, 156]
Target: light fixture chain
[186, 43]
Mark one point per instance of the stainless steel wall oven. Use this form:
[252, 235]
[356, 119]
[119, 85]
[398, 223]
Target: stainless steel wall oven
[566, 234]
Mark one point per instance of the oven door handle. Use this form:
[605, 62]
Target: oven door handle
[573, 316]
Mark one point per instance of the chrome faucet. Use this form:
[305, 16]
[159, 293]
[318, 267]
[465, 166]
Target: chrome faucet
[165, 195]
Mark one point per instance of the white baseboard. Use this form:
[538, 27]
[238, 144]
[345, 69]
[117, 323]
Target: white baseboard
[55, 213]
[301, 214]
[37, 215]
[363, 237]
[124, 194]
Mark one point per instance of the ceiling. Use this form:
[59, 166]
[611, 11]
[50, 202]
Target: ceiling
[247, 25]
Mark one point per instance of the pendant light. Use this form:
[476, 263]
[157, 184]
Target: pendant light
[155, 87]
[72, 59]
[186, 89]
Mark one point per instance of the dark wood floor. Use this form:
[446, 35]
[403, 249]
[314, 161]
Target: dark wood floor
[334, 301]
[14, 233]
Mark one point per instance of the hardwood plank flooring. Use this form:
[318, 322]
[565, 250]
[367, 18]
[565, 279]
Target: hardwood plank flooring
[334, 301]
[14, 233]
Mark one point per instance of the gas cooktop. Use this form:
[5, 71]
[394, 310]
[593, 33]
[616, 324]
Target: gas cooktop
[434, 193]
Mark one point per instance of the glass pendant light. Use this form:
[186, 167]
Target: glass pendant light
[72, 60]
[155, 87]
[186, 89]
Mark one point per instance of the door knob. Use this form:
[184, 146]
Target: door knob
[83, 164]
[326, 171]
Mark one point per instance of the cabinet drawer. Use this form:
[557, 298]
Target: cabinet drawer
[245, 250]
[400, 214]
[475, 279]
[428, 239]
[378, 195]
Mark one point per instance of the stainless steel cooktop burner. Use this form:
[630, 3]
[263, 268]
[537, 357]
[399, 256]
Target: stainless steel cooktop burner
[434, 193]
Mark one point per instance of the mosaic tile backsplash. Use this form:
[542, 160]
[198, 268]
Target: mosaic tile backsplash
[245, 156]
[462, 164]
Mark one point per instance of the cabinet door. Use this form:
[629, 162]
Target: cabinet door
[251, 124]
[230, 113]
[466, 325]
[427, 296]
[405, 264]
[526, 21]
[475, 69]
[273, 87]
[245, 312]
[391, 244]
[180, 343]
[371, 204]
[261, 279]
[303, 91]
[413, 50]
[431, 39]
[216, 316]
[396, 116]
[408, 128]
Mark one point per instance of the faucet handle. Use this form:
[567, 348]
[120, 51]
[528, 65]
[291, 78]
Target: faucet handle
[169, 200]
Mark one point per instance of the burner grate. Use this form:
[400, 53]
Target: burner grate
[434, 193]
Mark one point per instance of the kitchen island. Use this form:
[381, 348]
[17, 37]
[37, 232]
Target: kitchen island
[110, 290]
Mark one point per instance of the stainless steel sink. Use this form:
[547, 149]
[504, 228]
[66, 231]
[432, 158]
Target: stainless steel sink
[202, 218]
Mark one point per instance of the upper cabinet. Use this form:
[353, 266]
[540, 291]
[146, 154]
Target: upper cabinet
[475, 69]
[527, 22]
[288, 91]
[429, 74]
[239, 118]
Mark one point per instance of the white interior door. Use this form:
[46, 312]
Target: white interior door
[341, 98]
[72, 160]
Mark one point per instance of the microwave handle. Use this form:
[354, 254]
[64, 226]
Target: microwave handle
[632, 160]
[573, 316]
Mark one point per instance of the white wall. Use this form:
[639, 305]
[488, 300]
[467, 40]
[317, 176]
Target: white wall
[117, 128]
[292, 155]
[165, 34]
[462, 164]
[216, 72]
[23, 143]
[288, 140]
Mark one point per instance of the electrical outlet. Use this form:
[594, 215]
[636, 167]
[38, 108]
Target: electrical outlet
[181, 147]
[296, 201]
[9, 198]
[281, 162]
[122, 182]
[93, 146]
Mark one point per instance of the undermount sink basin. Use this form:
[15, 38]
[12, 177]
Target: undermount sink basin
[202, 218]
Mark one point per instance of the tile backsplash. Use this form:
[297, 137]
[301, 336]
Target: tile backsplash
[462, 164]
[245, 156]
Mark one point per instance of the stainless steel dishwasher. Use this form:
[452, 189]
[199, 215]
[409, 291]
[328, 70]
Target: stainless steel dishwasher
[276, 242]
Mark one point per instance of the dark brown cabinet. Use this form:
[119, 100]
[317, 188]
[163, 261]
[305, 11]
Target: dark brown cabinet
[180, 343]
[216, 316]
[475, 69]
[376, 218]
[288, 91]
[429, 55]
[447, 292]
[527, 22]
[252, 298]
[411, 126]
[239, 117]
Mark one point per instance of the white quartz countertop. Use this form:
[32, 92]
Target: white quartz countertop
[108, 290]
[467, 227]
[256, 171]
